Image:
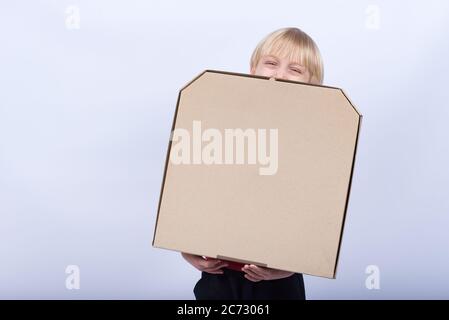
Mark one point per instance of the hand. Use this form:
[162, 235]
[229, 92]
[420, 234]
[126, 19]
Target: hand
[256, 274]
[209, 265]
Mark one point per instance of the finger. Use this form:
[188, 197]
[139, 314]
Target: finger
[250, 278]
[251, 273]
[258, 271]
[265, 272]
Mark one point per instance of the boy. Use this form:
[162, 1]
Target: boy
[284, 54]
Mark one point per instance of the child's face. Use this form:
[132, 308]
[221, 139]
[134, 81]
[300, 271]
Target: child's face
[281, 68]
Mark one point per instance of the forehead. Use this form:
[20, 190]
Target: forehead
[282, 49]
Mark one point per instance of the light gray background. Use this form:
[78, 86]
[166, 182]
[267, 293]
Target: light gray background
[85, 117]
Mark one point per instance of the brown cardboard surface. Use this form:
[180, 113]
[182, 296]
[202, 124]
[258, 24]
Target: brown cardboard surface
[291, 220]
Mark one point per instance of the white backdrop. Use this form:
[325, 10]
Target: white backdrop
[87, 94]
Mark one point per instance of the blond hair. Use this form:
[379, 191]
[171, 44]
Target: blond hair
[294, 44]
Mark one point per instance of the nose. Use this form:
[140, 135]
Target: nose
[279, 74]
